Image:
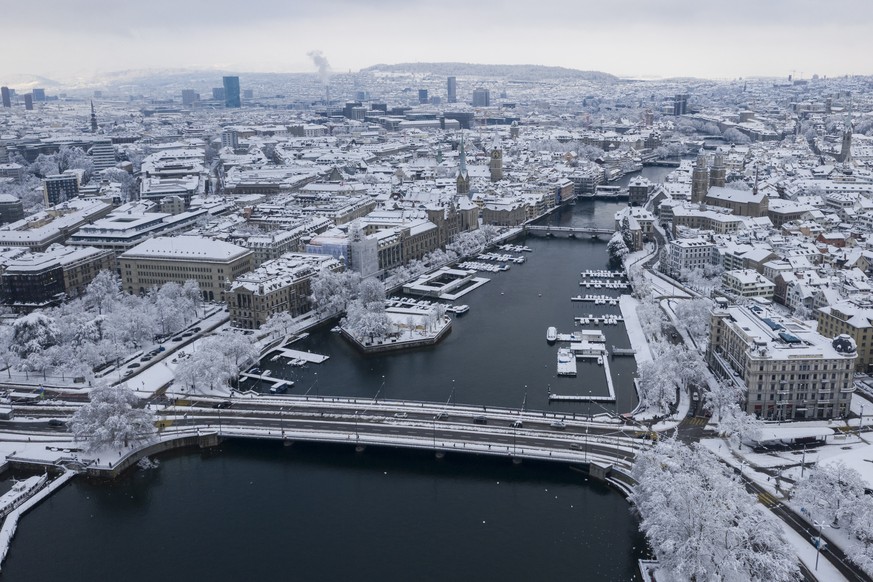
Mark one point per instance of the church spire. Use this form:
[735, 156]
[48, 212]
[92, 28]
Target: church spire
[463, 167]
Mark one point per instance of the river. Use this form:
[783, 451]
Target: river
[251, 510]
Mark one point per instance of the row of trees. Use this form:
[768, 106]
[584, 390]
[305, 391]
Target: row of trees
[834, 495]
[103, 325]
[700, 521]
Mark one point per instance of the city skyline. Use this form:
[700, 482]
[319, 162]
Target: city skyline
[628, 39]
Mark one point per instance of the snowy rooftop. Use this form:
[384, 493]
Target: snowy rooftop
[199, 248]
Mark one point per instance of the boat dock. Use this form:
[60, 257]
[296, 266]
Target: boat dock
[591, 335]
[602, 274]
[276, 383]
[596, 299]
[566, 363]
[606, 320]
[598, 284]
[623, 351]
[305, 356]
[589, 398]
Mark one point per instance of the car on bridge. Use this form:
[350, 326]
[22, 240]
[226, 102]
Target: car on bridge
[442, 416]
[558, 424]
[223, 404]
[400, 415]
[480, 419]
[517, 424]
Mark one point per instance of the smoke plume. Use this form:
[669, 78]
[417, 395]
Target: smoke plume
[321, 62]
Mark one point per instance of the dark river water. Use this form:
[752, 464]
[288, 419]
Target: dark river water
[258, 511]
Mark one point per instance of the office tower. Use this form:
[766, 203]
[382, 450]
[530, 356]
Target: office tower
[453, 90]
[481, 97]
[190, 96]
[422, 96]
[7, 96]
[28, 102]
[39, 94]
[231, 92]
[218, 93]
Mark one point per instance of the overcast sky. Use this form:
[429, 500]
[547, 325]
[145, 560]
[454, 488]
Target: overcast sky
[62, 39]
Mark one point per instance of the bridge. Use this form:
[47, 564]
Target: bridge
[606, 447]
[568, 231]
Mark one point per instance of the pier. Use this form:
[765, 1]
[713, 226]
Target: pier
[607, 320]
[623, 351]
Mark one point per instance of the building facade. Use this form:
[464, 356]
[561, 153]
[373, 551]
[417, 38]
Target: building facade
[213, 264]
[789, 370]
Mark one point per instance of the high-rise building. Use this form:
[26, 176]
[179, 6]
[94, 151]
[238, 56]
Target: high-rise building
[103, 154]
[230, 139]
[60, 188]
[39, 94]
[7, 96]
[231, 92]
[481, 97]
[452, 90]
[28, 102]
[422, 96]
[218, 93]
[680, 104]
[190, 96]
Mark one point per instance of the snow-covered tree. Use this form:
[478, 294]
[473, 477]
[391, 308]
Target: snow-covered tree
[830, 493]
[113, 417]
[695, 315]
[32, 334]
[617, 249]
[652, 318]
[701, 523]
[278, 324]
[738, 426]
[331, 291]
[104, 289]
[734, 135]
[719, 398]
[656, 387]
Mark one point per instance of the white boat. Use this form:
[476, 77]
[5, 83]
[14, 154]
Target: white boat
[551, 334]
[458, 309]
[20, 491]
[600, 360]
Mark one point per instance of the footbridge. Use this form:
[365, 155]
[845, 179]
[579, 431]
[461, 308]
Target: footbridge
[567, 231]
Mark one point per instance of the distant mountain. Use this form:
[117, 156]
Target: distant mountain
[519, 72]
[23, 83]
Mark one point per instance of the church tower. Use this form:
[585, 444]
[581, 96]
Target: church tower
[463, 179]
[718, 171]
[699, 180]
[93, 119]
[846, 147]
[495, 165]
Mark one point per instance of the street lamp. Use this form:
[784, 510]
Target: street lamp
[818, 541]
